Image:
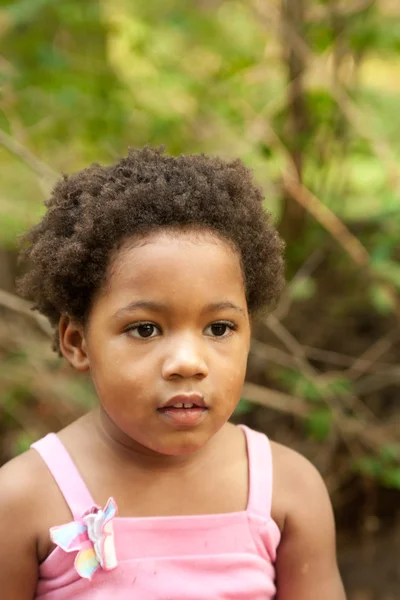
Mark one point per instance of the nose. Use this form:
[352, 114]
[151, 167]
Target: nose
[185, 359]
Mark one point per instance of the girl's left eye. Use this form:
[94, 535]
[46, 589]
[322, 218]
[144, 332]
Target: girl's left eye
[143, 331]
[221, 329]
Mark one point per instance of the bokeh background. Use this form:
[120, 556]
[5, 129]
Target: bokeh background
[307, 93]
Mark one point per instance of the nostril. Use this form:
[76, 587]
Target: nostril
[184, 366]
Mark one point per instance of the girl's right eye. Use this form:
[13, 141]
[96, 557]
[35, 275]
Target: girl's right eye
[143, 331]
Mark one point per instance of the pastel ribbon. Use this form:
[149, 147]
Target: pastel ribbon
[92, 536]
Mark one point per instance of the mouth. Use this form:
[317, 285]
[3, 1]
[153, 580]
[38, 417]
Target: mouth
[186, 401]
[184, 410]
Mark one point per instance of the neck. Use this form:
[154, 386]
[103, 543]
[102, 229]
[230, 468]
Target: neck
[129, 451]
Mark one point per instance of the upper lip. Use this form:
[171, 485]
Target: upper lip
[193, 398]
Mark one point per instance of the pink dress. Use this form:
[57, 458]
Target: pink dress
[226, 556]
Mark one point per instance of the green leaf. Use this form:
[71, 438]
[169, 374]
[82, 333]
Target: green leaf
[369, 465]
[339, 386]
[318, 424]
[303, 288]
[308, 390]
[388, 269]
[382, 468]
[391, 477]
[381, 299]
[390, 452]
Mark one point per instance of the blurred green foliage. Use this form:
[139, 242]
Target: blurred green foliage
[384, 467]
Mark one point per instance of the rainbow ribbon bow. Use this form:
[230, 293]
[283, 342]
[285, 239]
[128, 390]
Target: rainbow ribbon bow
[93, 536]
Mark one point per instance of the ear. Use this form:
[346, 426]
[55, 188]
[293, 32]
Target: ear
[73, 344]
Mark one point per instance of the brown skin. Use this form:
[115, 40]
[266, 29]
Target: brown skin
[126, 440]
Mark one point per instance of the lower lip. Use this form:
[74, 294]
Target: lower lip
[186, 417]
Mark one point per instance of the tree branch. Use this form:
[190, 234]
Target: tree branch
[22, 307]
[43, 171]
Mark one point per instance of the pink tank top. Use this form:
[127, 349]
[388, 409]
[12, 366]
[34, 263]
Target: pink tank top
[227, 556]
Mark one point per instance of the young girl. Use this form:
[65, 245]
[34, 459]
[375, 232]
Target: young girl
[150, 271]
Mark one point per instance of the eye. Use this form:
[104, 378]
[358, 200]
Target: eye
[143, 330]
[220, 329]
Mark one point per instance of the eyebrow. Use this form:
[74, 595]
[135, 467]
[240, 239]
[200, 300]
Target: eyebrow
[215, 306]
[141, 304]
[160, 307]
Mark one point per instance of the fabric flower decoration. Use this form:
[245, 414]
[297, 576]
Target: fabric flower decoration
[92, 536]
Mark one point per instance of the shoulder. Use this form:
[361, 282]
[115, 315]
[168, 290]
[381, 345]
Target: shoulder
[294, 469]
[21, 487]
[296, 484]
[306, 563]
[18, 476]
[28, 496]
[19, 508]
[30, 502]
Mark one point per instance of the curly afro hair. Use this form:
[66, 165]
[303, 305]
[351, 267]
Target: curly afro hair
[91, 213]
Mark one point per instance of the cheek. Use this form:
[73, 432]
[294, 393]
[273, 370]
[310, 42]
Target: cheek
[128, 407]
[114, 381]
[233, 372]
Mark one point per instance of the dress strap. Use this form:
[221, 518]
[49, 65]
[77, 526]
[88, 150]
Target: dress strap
[65, 473]
[260, 472]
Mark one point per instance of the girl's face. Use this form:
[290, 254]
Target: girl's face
[170, 327]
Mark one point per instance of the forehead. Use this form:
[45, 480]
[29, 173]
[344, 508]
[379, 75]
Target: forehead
[179, 265]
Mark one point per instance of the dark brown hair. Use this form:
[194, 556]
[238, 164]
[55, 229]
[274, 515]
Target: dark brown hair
[92, 212]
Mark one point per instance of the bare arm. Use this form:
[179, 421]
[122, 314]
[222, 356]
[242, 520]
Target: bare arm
[18, 556]
[306, 563]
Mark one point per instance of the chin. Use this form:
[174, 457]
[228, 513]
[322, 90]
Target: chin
[180, 446]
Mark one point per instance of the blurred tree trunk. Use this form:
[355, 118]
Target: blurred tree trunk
[293, 219]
